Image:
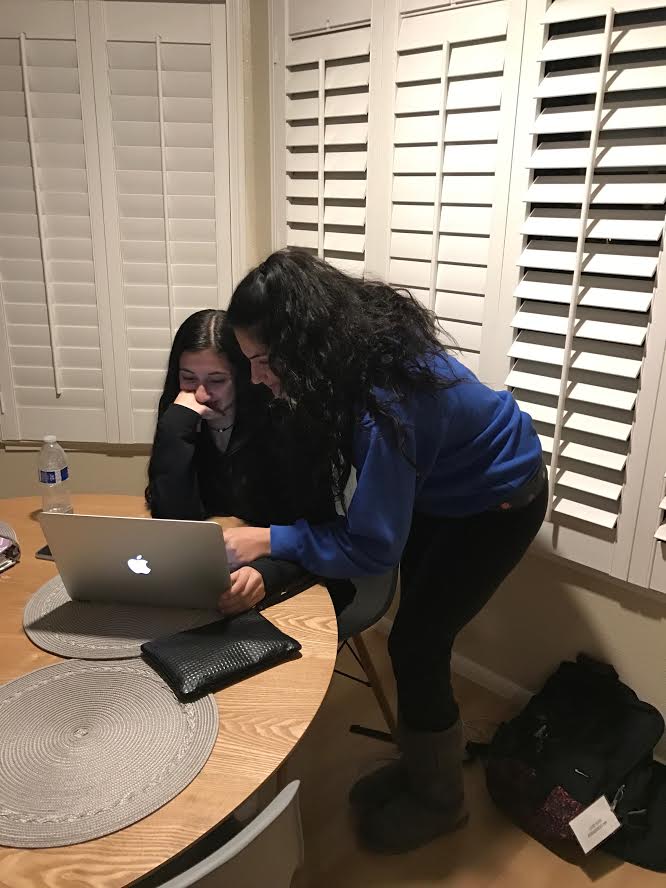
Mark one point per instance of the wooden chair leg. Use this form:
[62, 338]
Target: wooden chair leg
[375, 683]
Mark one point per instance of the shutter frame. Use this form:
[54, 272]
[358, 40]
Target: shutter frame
[603, 548]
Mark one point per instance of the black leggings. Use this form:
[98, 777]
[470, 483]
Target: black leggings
[449, 570]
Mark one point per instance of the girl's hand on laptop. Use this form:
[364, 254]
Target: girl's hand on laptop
[246, 590]
[246, 544]
[188, 399]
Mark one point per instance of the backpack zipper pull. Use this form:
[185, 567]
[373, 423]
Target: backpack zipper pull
[618, 797]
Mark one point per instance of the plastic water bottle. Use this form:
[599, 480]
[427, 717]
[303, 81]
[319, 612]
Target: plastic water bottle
[53, 475]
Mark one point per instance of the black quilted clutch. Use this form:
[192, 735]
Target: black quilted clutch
[210, 657]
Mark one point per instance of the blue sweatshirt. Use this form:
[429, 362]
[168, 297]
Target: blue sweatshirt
[469, 448]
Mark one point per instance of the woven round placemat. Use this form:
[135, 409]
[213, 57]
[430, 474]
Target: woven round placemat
[87, 748]
[91, 631]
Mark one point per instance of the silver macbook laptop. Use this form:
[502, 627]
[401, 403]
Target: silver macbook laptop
[138, 560]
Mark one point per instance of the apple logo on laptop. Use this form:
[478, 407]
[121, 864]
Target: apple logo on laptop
[138, 565]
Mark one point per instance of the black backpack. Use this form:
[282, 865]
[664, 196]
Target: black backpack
[584, 735]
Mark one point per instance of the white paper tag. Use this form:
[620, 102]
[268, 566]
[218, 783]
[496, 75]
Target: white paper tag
[594, 824]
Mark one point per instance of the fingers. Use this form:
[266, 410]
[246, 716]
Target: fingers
[246, 590]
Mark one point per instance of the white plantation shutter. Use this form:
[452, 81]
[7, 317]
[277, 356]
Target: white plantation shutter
[598, 90]
[324, 89]
[446, 179]
[54, 340]
[161, 96]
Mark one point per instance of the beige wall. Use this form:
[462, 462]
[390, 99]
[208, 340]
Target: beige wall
[117, 470]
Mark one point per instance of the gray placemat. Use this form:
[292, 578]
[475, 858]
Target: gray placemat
[88, 748]
[92, 631]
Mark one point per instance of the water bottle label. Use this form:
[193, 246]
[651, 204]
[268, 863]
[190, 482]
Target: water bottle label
[54, 477]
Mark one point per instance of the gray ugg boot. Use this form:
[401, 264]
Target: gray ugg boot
[426, 798]
[377, 788]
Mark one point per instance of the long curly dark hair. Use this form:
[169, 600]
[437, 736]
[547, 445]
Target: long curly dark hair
[334, 341]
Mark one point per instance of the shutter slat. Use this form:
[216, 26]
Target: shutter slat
[479, 126]
[347, 105]
[414, 160]
[332, 46]
[585, 513]
[345, 189]
[577, 391]
[421, 130]
[452, 248]
[595, 292]
[572, 10]
[418, 99]
[344, 215]
[603, 224]
[344, 242]
[302, 109]
[581, 360]
[644, 75]
[484, 92]
[660, 533]
[464, 190]
[470, 250]
[628, 153]
[635, 39]
[579, 120]
[419, 66]
[467, 336]
[352, 74]
[302, 162]
[301, 136]
[470, 158]
[458, 306]
[302, 237]
[304, 213]
[345, 134]
[345, 161]
[472, 59]
[302, 81]
[482, 126]
[465, 61]
[594, 456]
[586, 328]
[454, 219]
[588, 484]
[579, 422]
[301, 188]
[352, 267]
[596, 259]
[417, 32]
[636, 189]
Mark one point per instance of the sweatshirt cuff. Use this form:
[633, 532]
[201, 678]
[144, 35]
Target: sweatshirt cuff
[277, 575]
[285, 541]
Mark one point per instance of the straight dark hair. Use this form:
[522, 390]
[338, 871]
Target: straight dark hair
[340, 346]
[203, 330]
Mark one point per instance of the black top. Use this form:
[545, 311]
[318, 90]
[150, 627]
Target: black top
[255, 479]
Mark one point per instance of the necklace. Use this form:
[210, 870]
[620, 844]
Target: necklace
[225, 429]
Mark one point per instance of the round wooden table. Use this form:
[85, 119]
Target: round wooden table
[261, 720]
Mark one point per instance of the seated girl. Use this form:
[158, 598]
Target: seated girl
[218, 451]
